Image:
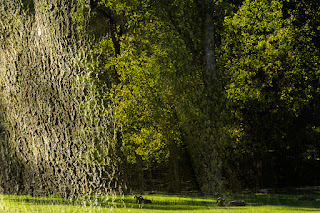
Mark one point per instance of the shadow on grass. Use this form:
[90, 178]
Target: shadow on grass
[169, 203]
[285, 200]
[163, 202]
[174, 203]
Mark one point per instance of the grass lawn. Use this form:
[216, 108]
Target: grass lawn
[285, 203]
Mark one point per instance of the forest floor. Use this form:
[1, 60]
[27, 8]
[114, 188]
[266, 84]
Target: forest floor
[256, 202]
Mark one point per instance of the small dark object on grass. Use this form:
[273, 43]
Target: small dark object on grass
[141, 200]
[221, 202]
[237, 203]
[306, 198]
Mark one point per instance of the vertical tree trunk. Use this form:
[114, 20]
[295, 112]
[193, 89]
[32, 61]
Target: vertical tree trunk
[209, 49]
[174, 185]
[208, 171]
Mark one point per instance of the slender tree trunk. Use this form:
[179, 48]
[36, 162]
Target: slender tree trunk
[175, 185]
[209, 49]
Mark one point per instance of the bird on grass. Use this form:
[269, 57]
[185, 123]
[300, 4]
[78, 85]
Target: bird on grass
[221, 202]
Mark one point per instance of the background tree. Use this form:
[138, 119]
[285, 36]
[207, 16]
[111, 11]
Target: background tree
[271, 71]
[168, 89]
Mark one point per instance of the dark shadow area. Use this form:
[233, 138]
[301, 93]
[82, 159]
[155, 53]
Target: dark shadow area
[288, 200]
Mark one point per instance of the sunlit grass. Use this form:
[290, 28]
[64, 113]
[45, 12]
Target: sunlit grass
[161, 203]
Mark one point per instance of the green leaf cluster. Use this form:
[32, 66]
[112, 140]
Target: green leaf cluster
[272, 70]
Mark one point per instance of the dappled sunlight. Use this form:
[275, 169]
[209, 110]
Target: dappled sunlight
[160, 203]
[159, 106]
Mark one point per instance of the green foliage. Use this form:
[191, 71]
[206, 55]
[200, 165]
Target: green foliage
[272, 69]
[227, 87]
[144, 111]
